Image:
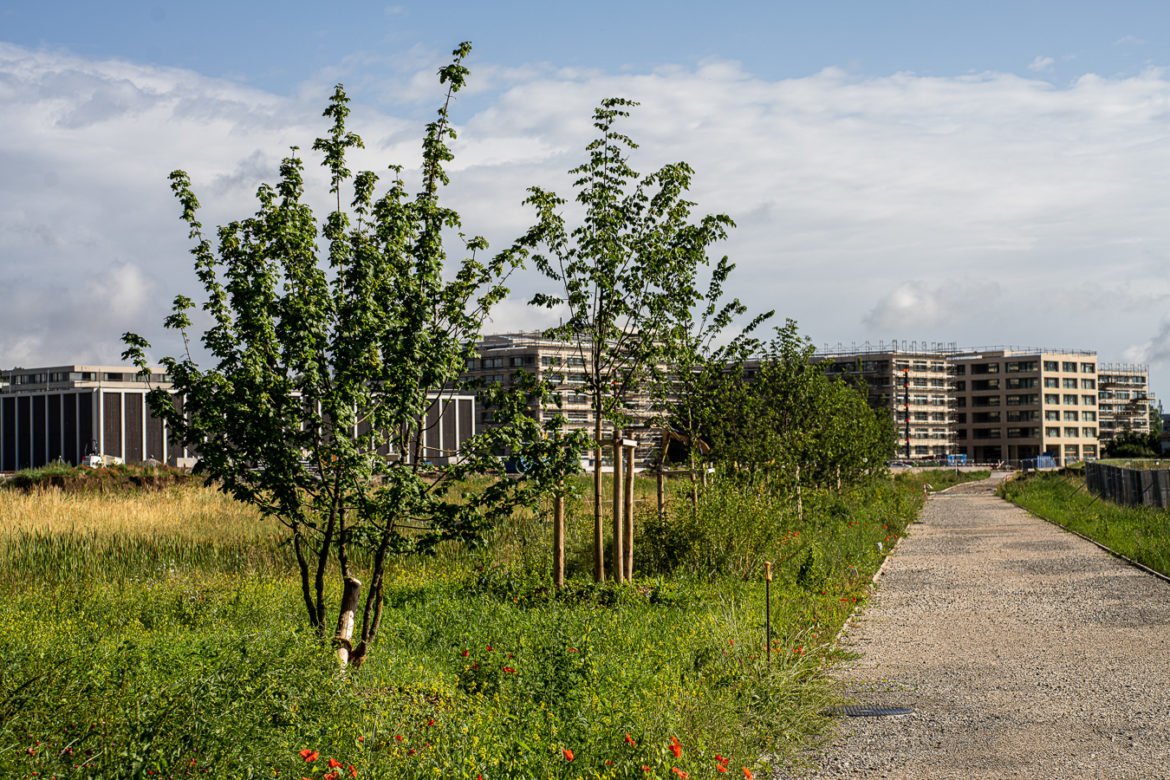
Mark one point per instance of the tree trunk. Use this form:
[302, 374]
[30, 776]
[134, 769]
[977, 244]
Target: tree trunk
[559, 540]
[618, 529]
[598, 528]
[799, 502]
[343, 639]
[629, 516]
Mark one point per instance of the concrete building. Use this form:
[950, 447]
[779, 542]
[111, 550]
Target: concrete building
[565, 366]
[67, 412]
[1014, 404]
[911, 381]
[1124, 399]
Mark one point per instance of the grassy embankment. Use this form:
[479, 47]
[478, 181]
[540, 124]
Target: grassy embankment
[1139, 533]
[162, 632]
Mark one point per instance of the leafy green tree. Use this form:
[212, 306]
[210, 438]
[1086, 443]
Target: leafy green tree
[623, 274]
[331, 342]
[1132, 444]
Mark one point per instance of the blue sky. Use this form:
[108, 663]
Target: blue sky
[988, 173]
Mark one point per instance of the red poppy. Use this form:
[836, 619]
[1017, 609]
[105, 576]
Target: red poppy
[398, 737]
[568, 754]
[675, 747]
[572, 649]
[309, 755]
[331, 776]
[748, 773]
[630, 740]
[463, 653]
[489, 647]
[645, 768]
[683, 775]
[431, 722]
[334, 763]
[352, 771]
[721, 768]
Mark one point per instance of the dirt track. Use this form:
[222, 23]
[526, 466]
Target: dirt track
[1023, 650]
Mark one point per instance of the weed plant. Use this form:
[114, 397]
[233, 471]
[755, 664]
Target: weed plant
[168, 641]
[1139, 533]
[938, 479]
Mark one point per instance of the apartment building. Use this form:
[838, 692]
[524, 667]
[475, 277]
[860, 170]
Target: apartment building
[1014, 404]
[564, 365]
[1123, 399]
[67, 412]
[912, 382]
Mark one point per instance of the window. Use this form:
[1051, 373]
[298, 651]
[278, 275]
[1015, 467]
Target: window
[985, 417]
[1089, 400]
[961, 418]
[1017, 383]
[1070, 416]
[985, 368]
[960, 386]
[985, 400]
[960, 370]
[1021, 365]
[985, 433]
[985, 384]
[1022, 433]
[549, 360]
[1052, 433]
[1068, 367]
[918, 382]
[1088, 368]
[1070, 400]
[1051, 414]
[1022, 400]
[1051, 365]
[1051, 381]
[1051, 398]
[1089, 416]
[1089, 433]
[1070, 432]
[1018, 416]
[1088, 384]
[1090, 451]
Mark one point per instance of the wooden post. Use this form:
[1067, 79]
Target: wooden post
[768, 607]
[799, 503]
[343, 639]
[559, 538]
[629, 513]
[598, 527]
[661, 493]
[838, 477]
[618, 529]
[704, 476]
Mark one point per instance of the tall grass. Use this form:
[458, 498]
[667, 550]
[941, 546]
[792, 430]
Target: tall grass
[1140, 533]
[162, 633]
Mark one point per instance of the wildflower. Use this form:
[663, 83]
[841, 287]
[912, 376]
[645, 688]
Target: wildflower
[334, 763]
[568, 754]
[309, 755]
[398, 737]
[682, 775]
[645, 768]
[352, 771]
[630, 740]
[721, 768]
[748, 773]
[430, 722]
[572, 649]
[463, 653]
[509, 670]
[331, 776]
[675, 747]
[489, 647]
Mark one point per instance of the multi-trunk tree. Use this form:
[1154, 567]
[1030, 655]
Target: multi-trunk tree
[330, 342]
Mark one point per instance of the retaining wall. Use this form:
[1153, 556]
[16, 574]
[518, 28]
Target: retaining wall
[1132, 487]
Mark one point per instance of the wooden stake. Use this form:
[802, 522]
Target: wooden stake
[598, 527]
[559, 539]
[629, 514]
[343, 639]
[768, 607]
[799, 503]
[618, 530]
[661, 494]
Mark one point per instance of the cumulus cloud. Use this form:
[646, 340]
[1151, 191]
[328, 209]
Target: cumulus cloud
[1041, 64]
[1156, 350]
[982, 208]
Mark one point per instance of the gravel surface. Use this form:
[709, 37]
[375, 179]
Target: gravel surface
[1023, 651]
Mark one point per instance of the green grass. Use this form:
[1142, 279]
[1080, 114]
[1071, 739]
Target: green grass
[939, 479]
[1139, 533]
[165, 651]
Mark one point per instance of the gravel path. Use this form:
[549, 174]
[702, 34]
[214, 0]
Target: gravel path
[1023, 651]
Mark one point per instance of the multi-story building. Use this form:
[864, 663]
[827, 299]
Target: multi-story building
[1124, 399]
[565, 366]
[1014, 404]
[912, 383]
[68, 412]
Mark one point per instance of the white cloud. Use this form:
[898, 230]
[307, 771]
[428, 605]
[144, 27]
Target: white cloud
[1041, 64]
[984, 208]
[1156, 350]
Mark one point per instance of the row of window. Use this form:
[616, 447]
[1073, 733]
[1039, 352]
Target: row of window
[1026, 366]
[1070, 432]
[52, 377]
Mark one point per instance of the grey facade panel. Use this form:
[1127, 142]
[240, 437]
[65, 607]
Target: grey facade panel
[154, 435]
[72, 451]
[23, 425]
[112, 424]
[39, 432]
[134, 431]
[8, 425]
[55, 449]
[86, 432]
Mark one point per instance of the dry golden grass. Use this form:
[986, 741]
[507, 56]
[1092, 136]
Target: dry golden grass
[195, 513]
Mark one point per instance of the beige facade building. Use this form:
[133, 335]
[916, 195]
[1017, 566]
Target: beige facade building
[1123, 399]
[1015, 404]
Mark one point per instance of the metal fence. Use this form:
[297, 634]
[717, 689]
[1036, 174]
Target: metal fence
[1129, 486]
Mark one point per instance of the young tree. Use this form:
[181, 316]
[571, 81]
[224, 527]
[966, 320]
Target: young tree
[327, 360]
[623, 274]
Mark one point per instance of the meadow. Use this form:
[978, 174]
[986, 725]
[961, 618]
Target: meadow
[160, 633]
[1139, 533]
